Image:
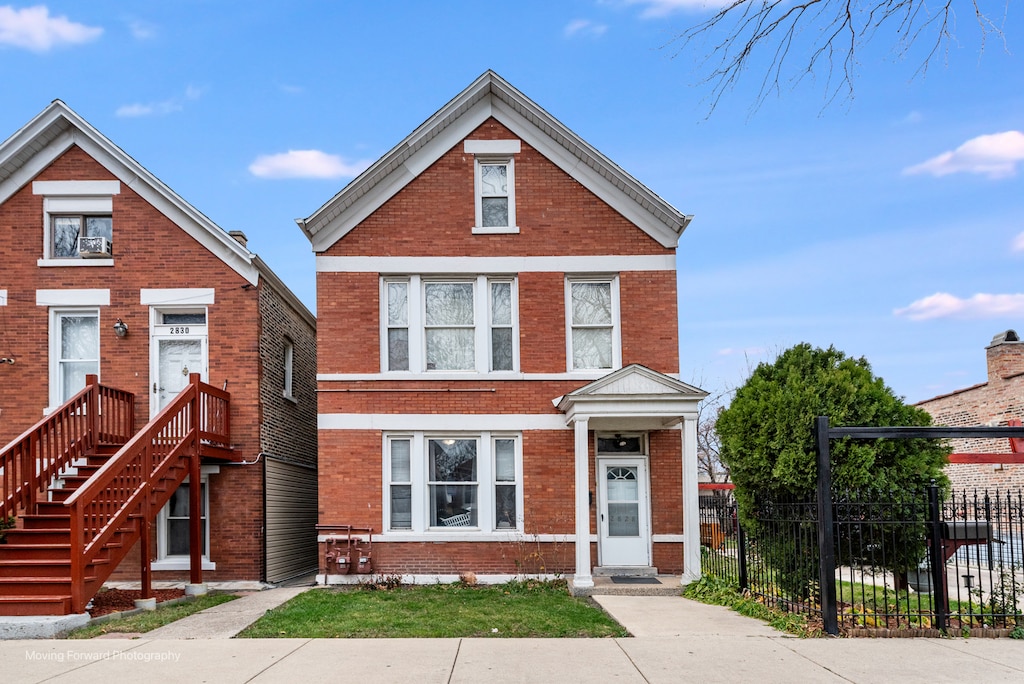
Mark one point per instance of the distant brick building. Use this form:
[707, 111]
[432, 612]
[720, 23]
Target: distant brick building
[497, 346]
[92, 239]
[991, 403]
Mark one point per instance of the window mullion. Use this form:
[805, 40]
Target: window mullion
[417, 337]
[481, 325]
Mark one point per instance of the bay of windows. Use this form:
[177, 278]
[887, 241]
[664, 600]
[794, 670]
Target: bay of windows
[449, 324]
[453, 483]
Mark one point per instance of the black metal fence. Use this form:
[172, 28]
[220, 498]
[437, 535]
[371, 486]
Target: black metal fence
[904, 561]
[967, 570]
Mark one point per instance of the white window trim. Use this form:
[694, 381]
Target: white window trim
[418, 466]
[416, 324]
[73, 197]
[494, 152]
[165, 562]
[616, 322]
[3, 297]
[55, 382]
[289, 369]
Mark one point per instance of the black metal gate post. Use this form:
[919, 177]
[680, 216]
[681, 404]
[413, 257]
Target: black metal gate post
[826, 534]
[938, 560]
[741, 542]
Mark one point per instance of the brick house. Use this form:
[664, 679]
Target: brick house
[990, 403]
[108, 272]
[498, 356]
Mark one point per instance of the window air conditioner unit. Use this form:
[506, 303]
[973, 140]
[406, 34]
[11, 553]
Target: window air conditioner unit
[93, 247]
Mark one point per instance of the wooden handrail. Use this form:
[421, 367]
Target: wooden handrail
[95, 415]
[122, 488]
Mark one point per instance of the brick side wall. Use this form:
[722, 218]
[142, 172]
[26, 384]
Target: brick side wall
[287, 427]
[149, 252]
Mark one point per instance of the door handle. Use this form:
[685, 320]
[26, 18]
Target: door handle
[154, 388]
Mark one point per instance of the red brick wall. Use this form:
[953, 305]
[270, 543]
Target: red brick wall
[433, 216]
[149, 252]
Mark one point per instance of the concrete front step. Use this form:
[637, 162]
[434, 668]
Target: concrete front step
[663, 585]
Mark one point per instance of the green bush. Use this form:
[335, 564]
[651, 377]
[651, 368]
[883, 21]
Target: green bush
[767, 437]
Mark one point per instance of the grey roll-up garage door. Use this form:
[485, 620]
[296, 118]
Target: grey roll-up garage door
[290, 505]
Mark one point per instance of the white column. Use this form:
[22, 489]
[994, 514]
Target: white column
[691, 503]
[583, 577]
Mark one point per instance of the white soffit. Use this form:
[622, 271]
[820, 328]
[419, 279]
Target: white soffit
[488, 96]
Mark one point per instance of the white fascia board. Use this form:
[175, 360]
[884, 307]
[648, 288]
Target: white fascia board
[632, 208]
[497, 265]
[171, 205]
[176, 296]
[386, 188]
[72, 297]
[434, 422]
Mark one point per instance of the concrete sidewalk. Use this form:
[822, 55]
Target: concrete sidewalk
[676, 640]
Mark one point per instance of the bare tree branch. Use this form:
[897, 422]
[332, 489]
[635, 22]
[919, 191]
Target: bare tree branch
[810, 37]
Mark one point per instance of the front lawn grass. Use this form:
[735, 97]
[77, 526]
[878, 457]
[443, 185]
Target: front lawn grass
[151, 619]
[516, 609]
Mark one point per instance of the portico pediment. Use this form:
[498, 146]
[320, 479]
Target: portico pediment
[634, 397]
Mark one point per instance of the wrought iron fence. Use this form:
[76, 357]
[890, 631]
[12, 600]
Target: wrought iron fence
[900, 560]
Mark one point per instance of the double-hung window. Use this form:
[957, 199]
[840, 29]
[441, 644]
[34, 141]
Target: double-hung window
[75, 350]
[453, 483]
[494, 184]
[457, 324]
[592, 310]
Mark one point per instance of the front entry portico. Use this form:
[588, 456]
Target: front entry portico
[634, 400]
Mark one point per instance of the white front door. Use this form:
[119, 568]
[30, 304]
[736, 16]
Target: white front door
[624, 520]
[178, 347]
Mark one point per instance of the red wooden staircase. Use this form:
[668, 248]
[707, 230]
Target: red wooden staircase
[84, 487]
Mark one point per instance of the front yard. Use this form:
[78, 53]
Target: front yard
[516, 609]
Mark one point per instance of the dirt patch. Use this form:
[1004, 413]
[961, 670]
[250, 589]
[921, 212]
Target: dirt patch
[116, 600]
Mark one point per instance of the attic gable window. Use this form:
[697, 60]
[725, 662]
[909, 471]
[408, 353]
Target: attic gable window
[78, 227]
[494, 184]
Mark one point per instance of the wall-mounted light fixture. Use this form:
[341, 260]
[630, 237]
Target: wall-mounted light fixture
[121, 328]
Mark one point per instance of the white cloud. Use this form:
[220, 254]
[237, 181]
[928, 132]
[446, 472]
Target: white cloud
[981, 305]
[142, 30]
[584, 27]
[1018, 243]
[746, 352]
[995, 156]
[34, 29]
[162, 108]
[913, 117]
[655, 9]
[305, 164]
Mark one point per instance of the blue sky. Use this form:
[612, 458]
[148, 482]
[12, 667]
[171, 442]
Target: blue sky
[890, 224]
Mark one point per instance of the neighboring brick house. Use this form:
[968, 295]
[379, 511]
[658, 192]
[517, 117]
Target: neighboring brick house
[93, 240]
[991, 403]
[498, 355]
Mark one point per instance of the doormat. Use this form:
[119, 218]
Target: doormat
[618, 579]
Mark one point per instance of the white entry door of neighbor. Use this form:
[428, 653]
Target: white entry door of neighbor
[176, 360]
[625, 536]
[178, 348]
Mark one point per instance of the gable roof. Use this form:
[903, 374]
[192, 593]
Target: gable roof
[492, 96]
[58, 127]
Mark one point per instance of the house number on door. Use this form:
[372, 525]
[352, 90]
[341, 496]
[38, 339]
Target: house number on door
[179, 330]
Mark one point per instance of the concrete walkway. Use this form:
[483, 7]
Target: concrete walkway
[675, 640]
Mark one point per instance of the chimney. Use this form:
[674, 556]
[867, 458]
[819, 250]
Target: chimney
[1005, 356]
[240, 237]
